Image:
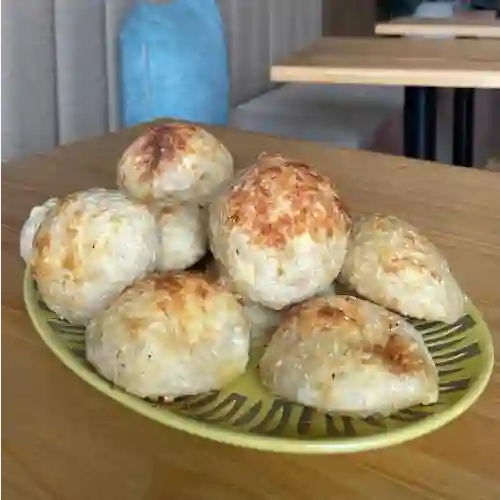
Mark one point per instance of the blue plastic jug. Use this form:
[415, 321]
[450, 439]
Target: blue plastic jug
[174, 63]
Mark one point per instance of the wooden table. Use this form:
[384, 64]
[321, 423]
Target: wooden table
[473, 24]
[469, 24]
[419, 65]
[64, 440]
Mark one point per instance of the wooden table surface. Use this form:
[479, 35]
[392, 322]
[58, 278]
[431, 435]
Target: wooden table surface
[64, 440]
[395, 61]
[475, 24]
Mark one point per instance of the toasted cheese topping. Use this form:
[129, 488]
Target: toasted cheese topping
[156, 150]
[280, 231]
[169, 335]
[280, 198]
[88, 248]
[174, 161]
[348, 355]
[389, 262]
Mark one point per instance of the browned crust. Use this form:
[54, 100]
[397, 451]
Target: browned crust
[412, 242]
[42, 243]
[174, 294]
[174, 289]
[315, 206]
[71, 254]
[156, 149]
[318, 313]
[399, 354]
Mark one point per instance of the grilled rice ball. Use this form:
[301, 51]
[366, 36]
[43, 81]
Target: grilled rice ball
[280, 231]
[183, 236]
[346, 355]
[390, 263]
[31, 225]
[88, 248]
[170, 335]
[174, 162]
[263, 320]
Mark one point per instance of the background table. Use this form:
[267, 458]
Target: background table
[472, 24]
[419, 65]
[64, 440]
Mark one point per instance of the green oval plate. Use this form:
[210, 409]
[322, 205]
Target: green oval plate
[245, 414]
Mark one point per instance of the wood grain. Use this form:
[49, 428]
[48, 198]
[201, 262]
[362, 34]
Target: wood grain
[465, 26]
[395, 61]
[64, 440]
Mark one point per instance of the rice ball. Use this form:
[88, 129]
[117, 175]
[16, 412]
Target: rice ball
[263, 320]
[280, 231]
[88, 248]
[172, 162]
[346, 355]
[390, 263]
[183, 236]
[31, 225]
[170, 335]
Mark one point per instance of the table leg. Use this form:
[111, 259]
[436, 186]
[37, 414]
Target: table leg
[463, 127]
[420, 123]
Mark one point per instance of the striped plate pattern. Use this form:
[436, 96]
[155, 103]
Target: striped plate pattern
[462, 352]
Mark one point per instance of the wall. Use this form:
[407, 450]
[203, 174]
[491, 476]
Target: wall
[60, 65]
[349, 17]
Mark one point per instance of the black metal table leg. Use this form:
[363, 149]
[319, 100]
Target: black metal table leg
[420, 122]
[463, 127]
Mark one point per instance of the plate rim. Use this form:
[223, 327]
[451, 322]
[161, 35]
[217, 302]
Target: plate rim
[273, 444]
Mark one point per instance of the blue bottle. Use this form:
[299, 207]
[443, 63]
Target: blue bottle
[174, 63]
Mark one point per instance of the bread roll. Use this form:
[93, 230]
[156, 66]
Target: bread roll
[389, 262]
[170, 335]
[280, 231]
[183, 236]
[346, 355]
[88, 248]
[174, 162]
